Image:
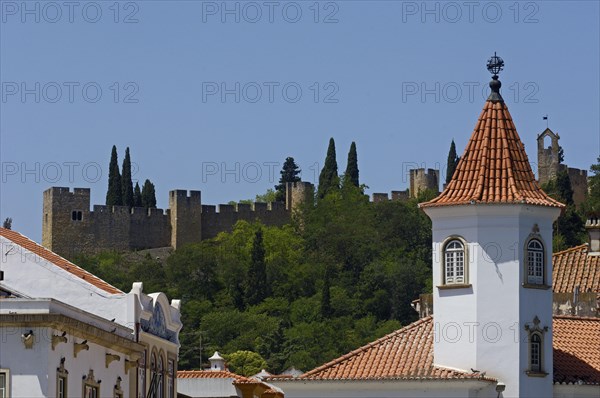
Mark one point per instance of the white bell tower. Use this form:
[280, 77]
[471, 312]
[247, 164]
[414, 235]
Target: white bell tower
[492, 259]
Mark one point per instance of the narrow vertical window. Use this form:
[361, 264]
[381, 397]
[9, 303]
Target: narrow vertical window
[536, 353]
[61, 380]
[535, 262]
[454, 262]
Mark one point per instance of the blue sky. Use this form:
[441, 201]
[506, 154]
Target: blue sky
[213, 96]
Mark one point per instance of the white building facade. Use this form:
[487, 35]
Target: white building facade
[108, 343]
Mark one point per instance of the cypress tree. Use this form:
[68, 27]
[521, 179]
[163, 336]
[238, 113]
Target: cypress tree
[452, 162]
[148, 195]
[563, 187]
[126, 183]
[289, 173]
[351, 175]
[137, 196]
[256, 286]
[114, 194]
[328, 179]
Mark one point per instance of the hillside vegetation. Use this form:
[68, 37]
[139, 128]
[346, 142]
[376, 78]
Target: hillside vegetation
[343, 273]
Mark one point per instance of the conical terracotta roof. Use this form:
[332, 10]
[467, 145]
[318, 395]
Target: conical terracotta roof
[494, 167]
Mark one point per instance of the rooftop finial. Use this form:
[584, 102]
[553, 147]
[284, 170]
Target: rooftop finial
[495, 65]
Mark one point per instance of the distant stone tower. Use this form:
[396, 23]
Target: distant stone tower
[548, 162]
[298, 193]
[185, 214]
[422, 180]
[65, 219]
[549, 165]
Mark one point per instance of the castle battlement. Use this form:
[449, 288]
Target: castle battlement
[69, 227]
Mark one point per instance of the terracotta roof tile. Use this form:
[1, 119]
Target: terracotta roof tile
[57, 260]
[576, 349]
[214, 374]
[408, 354]
[494, 167]
[404, 354]
[575, 267]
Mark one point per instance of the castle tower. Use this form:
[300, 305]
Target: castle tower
[65, 219]
[297, 194]
[186, 212]
[548, 162]
[422, 180]
[492, 259]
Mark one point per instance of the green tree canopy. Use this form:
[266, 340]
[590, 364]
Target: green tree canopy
[289, 173]
[137, 196]
[126, 182]
[328, 179]
[114, 195]
[256, 283]
[245, 363]
[452, 162]
[569, 228]
[351, 175]
[148, 195]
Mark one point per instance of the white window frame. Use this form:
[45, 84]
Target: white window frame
[535, 262]
[5, 389]
[535, 352]
[455, 262]
[62, 374]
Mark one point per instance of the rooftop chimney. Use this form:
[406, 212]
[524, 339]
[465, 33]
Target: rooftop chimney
[217, 362]
[593, 227]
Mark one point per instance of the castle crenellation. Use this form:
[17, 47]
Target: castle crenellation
[121, 228]
[187, 220]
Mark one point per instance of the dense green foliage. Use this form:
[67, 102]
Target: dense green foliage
[245, 363]
[289, 173]
[569, 228]
[114, 196]
[452, 162]
[351, 175]
[592, 204]
[329, 179]
[343, 276]
[148, 195]
[126, 182]
[137, 195]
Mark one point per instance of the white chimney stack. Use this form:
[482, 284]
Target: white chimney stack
[217, 362]
[593, 227]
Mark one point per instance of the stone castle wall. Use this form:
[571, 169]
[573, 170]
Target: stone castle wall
[69, 227]
[579, 183]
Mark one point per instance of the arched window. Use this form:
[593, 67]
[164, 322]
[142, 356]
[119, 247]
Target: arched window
[454, 262]
[535, 262]
[535, 353]
[536, 348]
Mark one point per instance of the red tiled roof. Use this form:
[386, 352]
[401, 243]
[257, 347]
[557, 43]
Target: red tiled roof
[576, 349]
[404, 354]
[214, 374]
[407, 354]
[57, 260]
[575, 267]
[494, 167]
